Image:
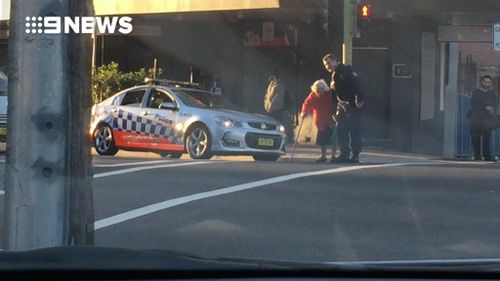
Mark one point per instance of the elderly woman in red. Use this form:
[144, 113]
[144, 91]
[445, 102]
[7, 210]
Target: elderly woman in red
[320, 103]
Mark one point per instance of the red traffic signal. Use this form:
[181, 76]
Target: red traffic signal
[365, 11]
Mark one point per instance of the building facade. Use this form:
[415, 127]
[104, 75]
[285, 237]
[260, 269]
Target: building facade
[433, 53]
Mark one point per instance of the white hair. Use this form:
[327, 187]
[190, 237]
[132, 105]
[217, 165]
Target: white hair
[319, 85]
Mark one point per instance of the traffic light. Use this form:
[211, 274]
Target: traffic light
[363, 16]
[364, 11]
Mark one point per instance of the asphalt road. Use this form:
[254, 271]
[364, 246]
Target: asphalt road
[390, 207]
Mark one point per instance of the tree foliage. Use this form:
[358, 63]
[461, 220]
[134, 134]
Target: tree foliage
[108, 80]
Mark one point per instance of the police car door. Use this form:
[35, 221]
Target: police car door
[162, 113]
[127, 118]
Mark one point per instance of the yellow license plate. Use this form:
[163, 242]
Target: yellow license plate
[3, 131]
[265, 142]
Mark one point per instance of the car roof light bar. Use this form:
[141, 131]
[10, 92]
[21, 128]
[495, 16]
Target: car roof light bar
[172, 83]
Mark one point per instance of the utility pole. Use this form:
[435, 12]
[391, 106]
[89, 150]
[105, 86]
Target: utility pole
[48, 195]
[349, 30]
[335, 19]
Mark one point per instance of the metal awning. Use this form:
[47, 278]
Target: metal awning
[4, 9]
[124, 7]
[129, 7]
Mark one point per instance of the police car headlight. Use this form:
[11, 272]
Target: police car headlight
[227, 123]
[281, 128]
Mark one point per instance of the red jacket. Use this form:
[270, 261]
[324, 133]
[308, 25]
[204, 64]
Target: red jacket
[322, 109]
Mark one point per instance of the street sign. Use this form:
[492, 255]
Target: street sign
[400, 71]
[496, 37]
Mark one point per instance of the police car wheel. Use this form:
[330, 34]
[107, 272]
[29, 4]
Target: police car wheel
[104, 141]
[266, 157]
[199, 142]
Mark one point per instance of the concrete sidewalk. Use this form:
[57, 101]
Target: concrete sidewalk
[373, 154]
[368, 155]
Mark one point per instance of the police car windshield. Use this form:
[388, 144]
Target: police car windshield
[190, 100]
[193, 98]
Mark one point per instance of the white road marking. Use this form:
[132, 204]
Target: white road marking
[137, 169]
[420, 262]
[218, 192]
[131, 163]
[466, 162]
[2, 160]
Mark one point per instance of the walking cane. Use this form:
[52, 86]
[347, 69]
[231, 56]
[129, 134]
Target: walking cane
[296, 140]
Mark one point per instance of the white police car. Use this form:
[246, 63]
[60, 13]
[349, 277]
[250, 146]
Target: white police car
[172, 118]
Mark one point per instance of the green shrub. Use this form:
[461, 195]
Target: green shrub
[108, 80]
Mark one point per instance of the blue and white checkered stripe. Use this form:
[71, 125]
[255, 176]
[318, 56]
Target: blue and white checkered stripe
[128, 122]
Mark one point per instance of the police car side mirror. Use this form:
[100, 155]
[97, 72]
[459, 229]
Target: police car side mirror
[169, 106]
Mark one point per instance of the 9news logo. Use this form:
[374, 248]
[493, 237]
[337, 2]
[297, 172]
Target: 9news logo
[78, 25]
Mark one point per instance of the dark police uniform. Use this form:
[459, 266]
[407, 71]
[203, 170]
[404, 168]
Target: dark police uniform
[346, 87]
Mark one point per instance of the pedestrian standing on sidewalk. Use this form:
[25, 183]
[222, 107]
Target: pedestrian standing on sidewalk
[320, 104]
[274, 100]
[482, 116]
[350, 101]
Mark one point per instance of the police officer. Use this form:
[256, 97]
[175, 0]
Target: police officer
[350, 101]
